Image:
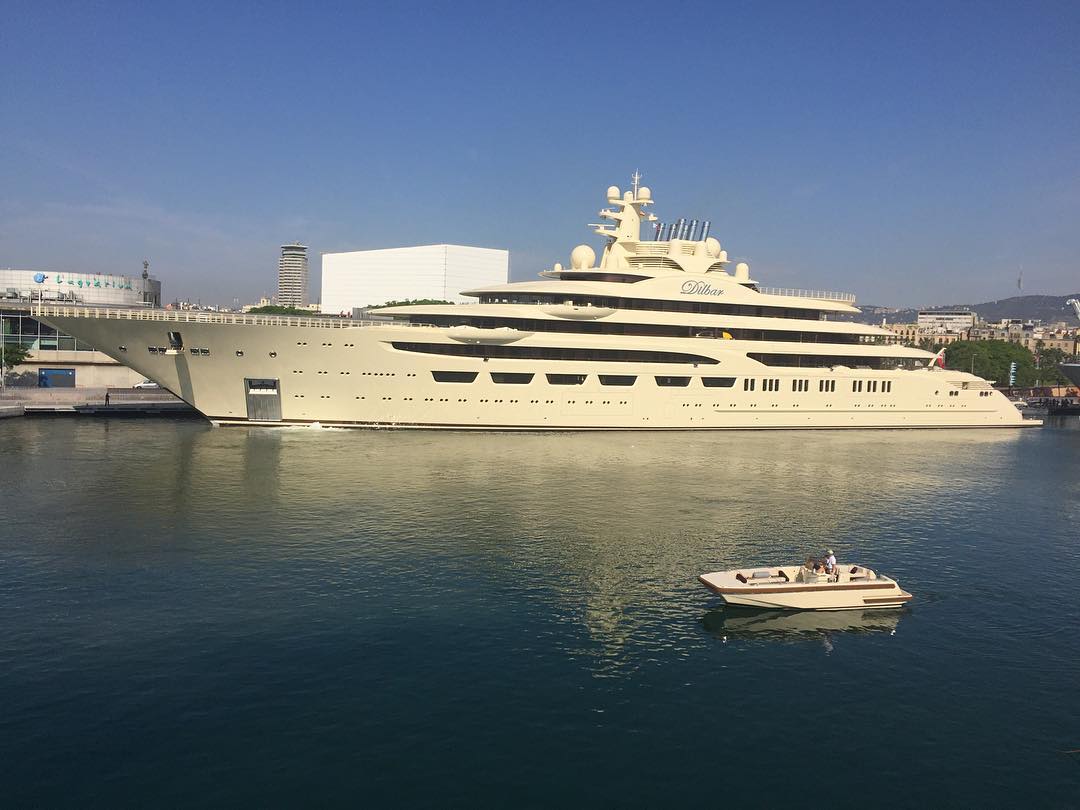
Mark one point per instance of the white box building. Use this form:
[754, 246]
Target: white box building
[363, 278]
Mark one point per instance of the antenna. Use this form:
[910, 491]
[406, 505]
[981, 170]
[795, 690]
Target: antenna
[636, 178]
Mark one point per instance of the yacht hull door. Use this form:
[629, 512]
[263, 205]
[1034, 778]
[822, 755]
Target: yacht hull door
[263, 400]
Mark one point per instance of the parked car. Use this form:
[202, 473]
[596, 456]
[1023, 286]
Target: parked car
[146, 384]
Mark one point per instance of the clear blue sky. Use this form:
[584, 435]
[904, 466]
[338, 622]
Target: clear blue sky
[912, 153]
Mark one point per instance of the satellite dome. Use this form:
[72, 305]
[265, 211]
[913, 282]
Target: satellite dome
[613, 193]
[712, 247]
[644, 193]
[582, 257]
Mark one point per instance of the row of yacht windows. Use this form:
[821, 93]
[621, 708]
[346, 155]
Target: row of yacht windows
[652, 304]
[520, 378]
[643, 356]
[648, 330]
[768, 384]
[871, 386]
[829, 360]
[553, 353]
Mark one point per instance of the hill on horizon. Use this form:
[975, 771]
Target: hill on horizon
[1045, 308]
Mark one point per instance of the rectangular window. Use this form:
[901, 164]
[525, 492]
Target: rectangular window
[718, 382]
[454, 376]
[511, 378]
[176, 342]
[673, 382]
[566, 379]
[616, 379]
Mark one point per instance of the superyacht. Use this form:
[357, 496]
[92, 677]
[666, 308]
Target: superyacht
[659, 333]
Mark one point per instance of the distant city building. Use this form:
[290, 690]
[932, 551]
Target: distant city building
[262, 302]
[363, 278]
[906, 333]
[957, 320]
[315, 309]
[293, 276]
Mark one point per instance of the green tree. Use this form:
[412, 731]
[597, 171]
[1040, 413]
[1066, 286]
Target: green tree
[413, 302]
[1049, 360]
[14, 354]
[274, 309]
[991, 358]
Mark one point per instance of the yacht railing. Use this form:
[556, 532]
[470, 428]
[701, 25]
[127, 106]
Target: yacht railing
[188, 316]
[824, 295]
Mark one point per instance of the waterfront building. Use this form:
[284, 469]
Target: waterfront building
[359, 279]
[654, 333]
[906, 334]
[911, 334]
[940, 321]
[293, 276]
[57, 357]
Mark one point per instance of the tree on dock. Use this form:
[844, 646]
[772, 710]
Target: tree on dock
[409, 302]
[12, 354]
[990, 360]
[274, 309]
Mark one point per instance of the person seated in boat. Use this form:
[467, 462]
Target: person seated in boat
[830, 562]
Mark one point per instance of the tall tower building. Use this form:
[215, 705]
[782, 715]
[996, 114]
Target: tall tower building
[292, 276]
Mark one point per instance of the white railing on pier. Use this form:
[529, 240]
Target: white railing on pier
[824, 295]
[188, 316]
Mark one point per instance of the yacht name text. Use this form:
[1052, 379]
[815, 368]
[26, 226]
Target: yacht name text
[700, 288]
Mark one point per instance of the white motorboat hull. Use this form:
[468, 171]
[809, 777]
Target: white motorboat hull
[796, 588]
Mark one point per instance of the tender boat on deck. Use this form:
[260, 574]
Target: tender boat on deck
[798, 587]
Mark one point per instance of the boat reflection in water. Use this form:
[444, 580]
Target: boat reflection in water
[798, 625]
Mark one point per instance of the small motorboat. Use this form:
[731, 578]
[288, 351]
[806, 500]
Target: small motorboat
[800, 587]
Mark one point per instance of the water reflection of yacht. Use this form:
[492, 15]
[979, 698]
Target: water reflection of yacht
[738, 622]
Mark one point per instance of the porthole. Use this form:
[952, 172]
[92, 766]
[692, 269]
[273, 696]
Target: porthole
[123, 348]
[239, 352]
[273, 354]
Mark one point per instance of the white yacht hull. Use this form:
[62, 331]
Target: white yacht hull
[350, 374]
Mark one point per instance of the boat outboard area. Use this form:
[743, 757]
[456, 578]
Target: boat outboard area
[806, 587]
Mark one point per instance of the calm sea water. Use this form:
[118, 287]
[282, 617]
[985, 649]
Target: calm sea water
[221, 616]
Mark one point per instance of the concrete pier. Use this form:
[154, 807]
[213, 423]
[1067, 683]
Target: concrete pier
[92, 402]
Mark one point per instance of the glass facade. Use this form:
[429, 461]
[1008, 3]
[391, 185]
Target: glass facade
[19, 327]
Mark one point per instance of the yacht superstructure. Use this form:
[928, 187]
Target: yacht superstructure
[655, 334]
